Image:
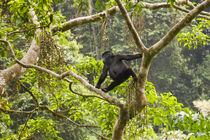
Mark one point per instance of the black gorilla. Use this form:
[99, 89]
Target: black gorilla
[119, 71]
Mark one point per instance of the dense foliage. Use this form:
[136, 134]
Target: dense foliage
[40, 106]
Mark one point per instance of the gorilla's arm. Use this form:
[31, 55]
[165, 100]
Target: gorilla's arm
[128, 56]
[103, 76]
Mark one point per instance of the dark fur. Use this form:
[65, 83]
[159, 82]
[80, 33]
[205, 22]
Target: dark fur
[118, 70]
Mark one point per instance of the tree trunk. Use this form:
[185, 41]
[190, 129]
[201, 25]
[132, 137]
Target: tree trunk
[15, 71]
[120, 124]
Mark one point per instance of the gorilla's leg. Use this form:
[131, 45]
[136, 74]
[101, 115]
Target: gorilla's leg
[120, 79]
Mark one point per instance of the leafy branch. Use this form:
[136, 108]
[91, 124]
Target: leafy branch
[105, 96]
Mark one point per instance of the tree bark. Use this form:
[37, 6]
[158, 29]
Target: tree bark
[15, 71]
[148, 55]
[120, 124]
[31, 56]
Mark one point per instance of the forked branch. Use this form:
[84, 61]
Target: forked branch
[156, 48]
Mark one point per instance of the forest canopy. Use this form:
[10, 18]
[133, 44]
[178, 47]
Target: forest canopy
[51, 59]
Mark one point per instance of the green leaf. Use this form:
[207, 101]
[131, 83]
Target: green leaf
[37, 40]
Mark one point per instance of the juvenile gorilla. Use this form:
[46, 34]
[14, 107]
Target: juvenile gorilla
[118, 70]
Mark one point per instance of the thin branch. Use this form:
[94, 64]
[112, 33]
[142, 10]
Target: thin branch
[20, 31]
[190, 4]
[17, 112]
[34, 28]
[26, 30]
[26, 89]
[177, 28]
[131, 27]
[21, 132]
[204, 15]
[154, 6]
[83, 95]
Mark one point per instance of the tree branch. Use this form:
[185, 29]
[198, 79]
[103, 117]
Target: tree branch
[21, 132]
[84, 20]
[204, 15]
[106, 97]
[131, 27]
[154, 6]
[16, 112]
[99, 16]
[26, 89]
[16, 70]
[83, 95]
[190, 4]
[177, 28]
